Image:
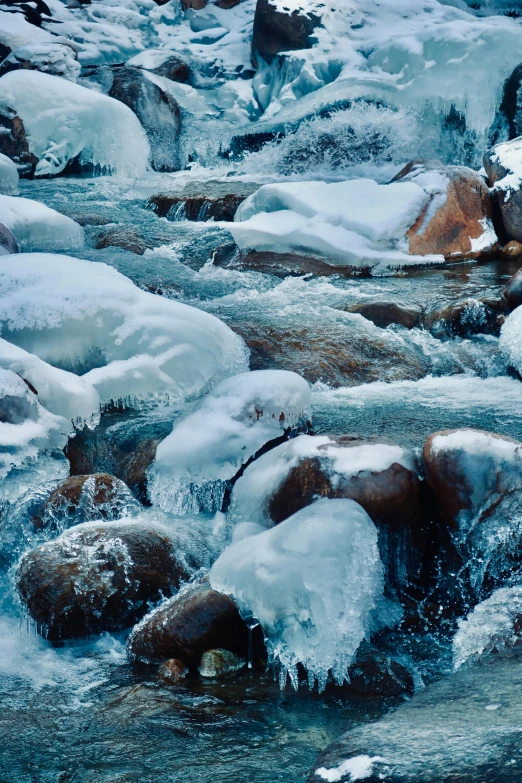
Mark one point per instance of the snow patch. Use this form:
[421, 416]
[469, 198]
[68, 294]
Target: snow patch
[8, 177]
[37, 227]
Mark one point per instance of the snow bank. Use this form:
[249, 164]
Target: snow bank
[226, 428]
[510, 343]
[131, 345]
[64, 121]
[492, 626]
[37, 227]
[354, 223]
[312, 582]
[8, 177]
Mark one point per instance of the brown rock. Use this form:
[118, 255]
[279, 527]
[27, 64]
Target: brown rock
[13, 142]
[173, 68]
[459, 220]
[187, 625]
[285, 264]
[513, 249]
[277, 31]
[206, 201]
[384, 314]
[96, 578]
[172, 672]
[513, 291]
[122, 236]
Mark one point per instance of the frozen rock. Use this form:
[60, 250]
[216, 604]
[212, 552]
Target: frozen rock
[208, 447]
[37, 227]
[64, 122]
[98, 577]
[8, 176]
[172, 672]
[212, 200]
[312, 582]
[56, 59]
[220, 663]
[162, 62]
[8, 244]
[503, 164]
[280, 27]
[457, 220]
[492, 626]
[130, 345]
[383, 313]
[157, 111]
[189, 624]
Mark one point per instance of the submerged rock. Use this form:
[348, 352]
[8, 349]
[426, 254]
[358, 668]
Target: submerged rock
[122, 236]
[376, 675]
[464, 727]
[277, 30]
[97, 577]
[220, 663]
[213, 200]
[384, 314]
[466, 318]
[189, 624]
[172, 672]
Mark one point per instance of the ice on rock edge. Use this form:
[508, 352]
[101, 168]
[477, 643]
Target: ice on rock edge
[354, 223]
[510, 343]
[312, 582]
[130, 345]
[492, 626]
[64, 121]
[8, 177]
[37, 227]
[228, 426]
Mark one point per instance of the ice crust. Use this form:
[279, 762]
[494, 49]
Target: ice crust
[130, 345]
[312, 582]
[228, 426]
[64, 121]
[37, 227]
[8, 177]
[354, 223]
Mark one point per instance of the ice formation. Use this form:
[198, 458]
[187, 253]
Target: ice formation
[58, 59]
[228, 426]
[8, 177]
[312, 582]
[492, 626]
[130, 345]
[263, 478]
[37, 227]
[354, 223]
[64, 121]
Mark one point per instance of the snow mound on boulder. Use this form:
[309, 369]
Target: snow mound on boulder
[37, 227]
[132, 346]
[208, 446]
[8, 176]
[510, 342]
[312, 582]
[64, 121]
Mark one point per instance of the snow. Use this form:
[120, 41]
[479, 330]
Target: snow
[54, 58]
[358, 767]
[8, 176]
[64, 121]
[492, 626]
[354, 223]
[312, 582]
[37, 227]
[509, 156]
[15, 31]
[510, 343]
[227, 427]
[262, 479]
[132, 346]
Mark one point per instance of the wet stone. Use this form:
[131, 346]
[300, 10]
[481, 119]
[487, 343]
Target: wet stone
[213, 200]
[172, 672]
[385, 314]
[122, 236]
[220, 663]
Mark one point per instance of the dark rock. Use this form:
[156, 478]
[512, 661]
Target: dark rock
[122, 236]
[157, 111]
[376, 675]
[172, 672]
[285, 264]
[8, 243]
[96, 578]
[213, 200]
[466, 318]
[220, 663]
[187, 625]
[384, 314]
[173, 68]
[463, 728]
[279, 31]
[513, 291]
[13, 142]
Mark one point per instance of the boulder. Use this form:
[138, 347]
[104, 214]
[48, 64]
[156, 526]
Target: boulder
[276, 30]
[172, 672]
[457, 222]
[466, 317]
[55, 58]
[377, 676]
[212, 200]
[173, 68]
[187, 625]
[8, 243]
[464, 727]
[220, 663]
[198, 5]
[13, 143]
[122, 236]
[512, 249]
[97, 577]
[383, 313]
[157, 111]
[513, 291]
[502, 164]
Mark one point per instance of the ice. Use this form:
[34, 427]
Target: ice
[54, 58]
[492, 626]
[354, 222]
[37, 227]
[64, 121]
[510, 343]
[224, 430]
[312, 582]
[8, 177]
[132, 346]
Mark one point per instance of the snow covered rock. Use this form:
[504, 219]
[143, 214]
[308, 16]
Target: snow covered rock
[98, 577]
[13, 142]
[54, 58]
[312, 582]
[65, 122]
[185, 626]
[283, 26]
[457, 220]
[157, 111]
[8, 244]
[503, 164]
[162, 62]
[208, 447]
[8, 176]
[37, 227]
[132, 346]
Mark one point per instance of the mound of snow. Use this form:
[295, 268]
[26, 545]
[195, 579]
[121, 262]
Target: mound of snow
[353, 223]
[54, 58]
[64, 121]
[37, 227]
[8, 177]
[131, 345]
[312, 582]
[208, 446]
